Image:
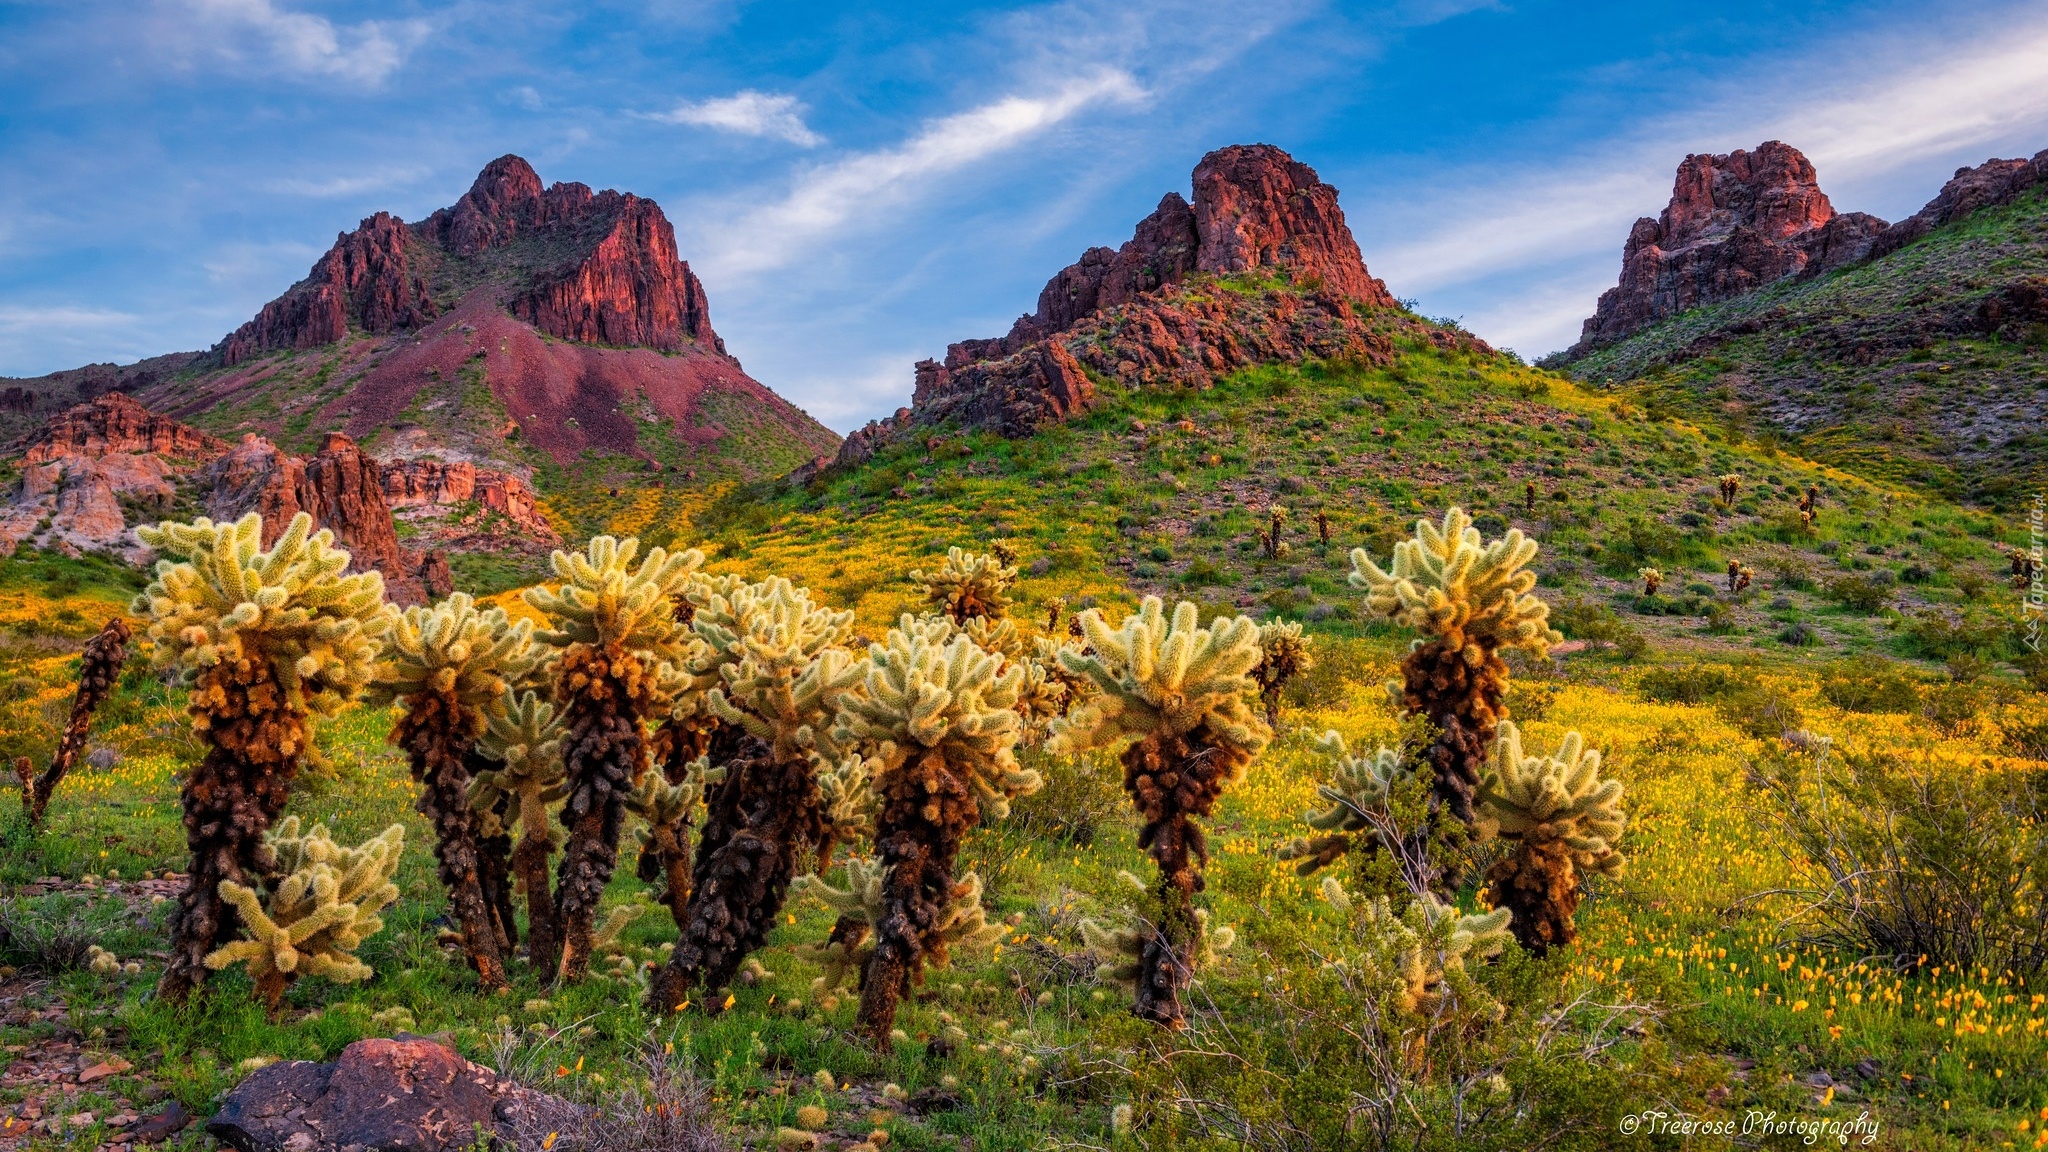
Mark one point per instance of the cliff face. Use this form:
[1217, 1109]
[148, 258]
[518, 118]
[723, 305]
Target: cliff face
[116, 423]
[1735, 223]
[1131, 313]
[340, 487]
[595, 268]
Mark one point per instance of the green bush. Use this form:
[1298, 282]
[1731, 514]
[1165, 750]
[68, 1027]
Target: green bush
[1923, 865]
[1862, 593]
[1691, 684]
[1760, 713]
[1595, 623]
[1868, 684]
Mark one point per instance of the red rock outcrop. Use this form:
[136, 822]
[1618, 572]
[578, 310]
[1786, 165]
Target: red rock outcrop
[369, 280]
[1988, 185]
[449, 483]
[1736, 222]
[591, 267]
[1123, 314]
[340, 487]
[116, 423]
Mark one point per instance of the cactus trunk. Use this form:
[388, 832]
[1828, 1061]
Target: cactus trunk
[925, 814]
[1540, 885]
[230, 800]
[530, 868]
[604, 754]
[1173, 781]
[98, 670]
[1463, 701]
[494, 864]
[772, 811]
[431, 732]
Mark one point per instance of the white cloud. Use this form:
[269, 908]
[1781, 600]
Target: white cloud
[863, 185]
[1512, 245]
[748, 113]
[279, 40]
[350, 185]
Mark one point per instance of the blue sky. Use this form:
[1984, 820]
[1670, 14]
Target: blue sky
[860, 186]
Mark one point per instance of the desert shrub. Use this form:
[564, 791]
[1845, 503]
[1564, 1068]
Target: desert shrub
[1931, 633]
[1798, 635]
[46, 937]
[1596, 623]
[1867, 684]
[1916, 859]
[1863, 593]
[1761, 713]
[1791, 570]
[1691, 684]
[673, 1111]
[1082, 799]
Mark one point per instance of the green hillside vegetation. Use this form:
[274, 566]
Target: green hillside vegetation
[1879, 369]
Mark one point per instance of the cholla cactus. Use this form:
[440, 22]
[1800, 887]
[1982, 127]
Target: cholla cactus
[968, 585]
[1563, 818]
[666, 809]
[1653, 579]
[1731, 484]
[1418, 958]
[1472, 601]
[942, 713]
[1181, 694]
[325, 905]
[620, 667]
[451, 667]
[962, 924]
[99, 668]
[1283, 655]
[846, 797]
[770, 664]
[1120, 947]
[1269, 537]
[524, 738]
[1323, 527]
[1529, 498]
[1359, 787]
[997, 634]
[1053, 609]
[266, 640]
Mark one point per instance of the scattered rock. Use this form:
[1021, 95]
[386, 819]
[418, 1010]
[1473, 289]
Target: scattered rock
[406, 1093]
[162, 1125]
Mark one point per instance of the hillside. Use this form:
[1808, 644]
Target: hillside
[552, 334]
[1918, 356]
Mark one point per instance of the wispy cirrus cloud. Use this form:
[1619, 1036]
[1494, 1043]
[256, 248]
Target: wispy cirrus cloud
[267, 37]
[865, 185]
[352, 184]
[747, 113]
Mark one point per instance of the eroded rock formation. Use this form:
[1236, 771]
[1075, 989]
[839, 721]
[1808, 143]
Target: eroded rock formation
[340, 487]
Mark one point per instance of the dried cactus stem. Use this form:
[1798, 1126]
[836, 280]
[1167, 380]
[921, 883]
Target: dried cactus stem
[1463, 701]
[230, 800]
[270, 985]
[494, 867]
[604, 753]
[741, 881]
[1540, 885]
[530, 868]
[98, 671]
[925, 815]
[1174, 781]
[430, 732]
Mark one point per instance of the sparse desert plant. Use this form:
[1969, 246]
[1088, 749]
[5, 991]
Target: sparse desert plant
[1529, 498]
[1322, 519]
[771, 663]
[1182, 695]
[1283, 655]
[1652, 580]
[524, 743]
[669, 1109]
[1356, 793]
[942, 713]
[323, 907]
[968, 585]
[1731, 486]
[266, 640]
[1472, 602]
[99, 668]
[1269, 537]
[1420, 955]
[665, 810]
[451, 667]
[1563, 820]
[962, 924]
[619, 668]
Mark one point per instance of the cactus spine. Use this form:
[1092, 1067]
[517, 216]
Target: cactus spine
[450, 668]
[619, 668]
[1563, 819]
[1181, 694]
[265, 640]
[99, 668]
[1418, 957]
[942, 713]
[324, 906]
[1472, 602]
